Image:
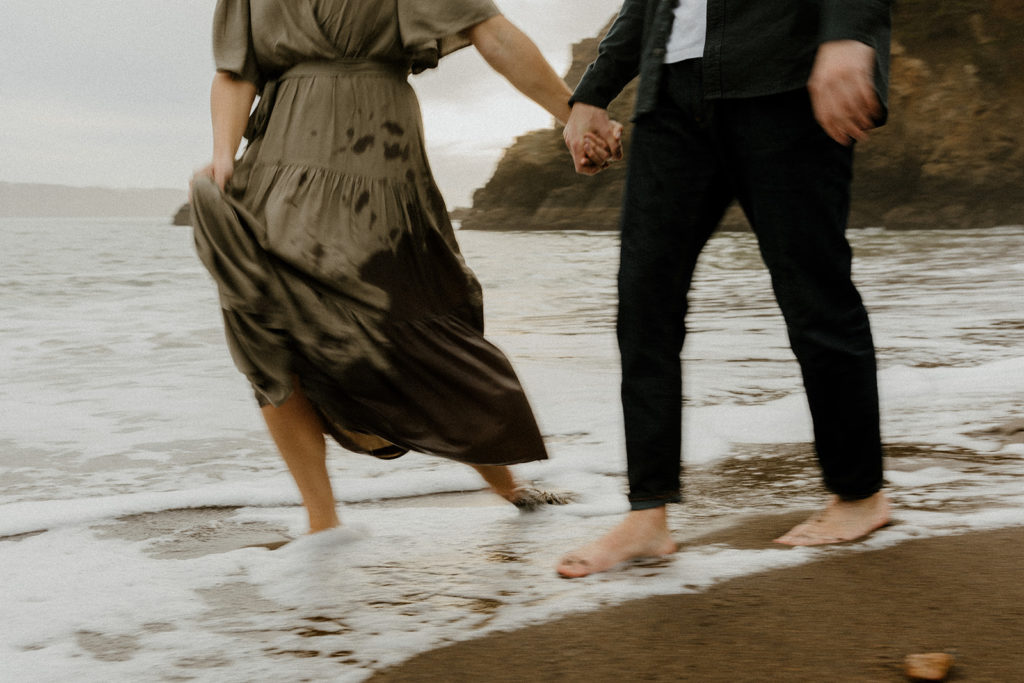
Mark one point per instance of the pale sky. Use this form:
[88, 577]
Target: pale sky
[114, 93]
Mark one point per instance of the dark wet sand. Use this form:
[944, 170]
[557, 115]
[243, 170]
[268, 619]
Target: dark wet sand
[851, 617]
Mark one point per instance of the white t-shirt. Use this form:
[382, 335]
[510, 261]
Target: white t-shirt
[688, 31]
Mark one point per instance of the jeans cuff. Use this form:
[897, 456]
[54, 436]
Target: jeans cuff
[651, 502]
[849, 497]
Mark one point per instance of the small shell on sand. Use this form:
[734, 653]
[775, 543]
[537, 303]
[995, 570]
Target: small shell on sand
[931, 666]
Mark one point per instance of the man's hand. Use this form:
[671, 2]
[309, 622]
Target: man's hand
[842, 90]
[593, 139]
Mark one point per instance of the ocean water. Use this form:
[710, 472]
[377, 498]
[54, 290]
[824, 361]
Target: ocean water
[139, 492]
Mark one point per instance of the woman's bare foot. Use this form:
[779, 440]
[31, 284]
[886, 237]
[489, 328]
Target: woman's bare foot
[525, 497]
[323, 522]
[842, 520]
[531, 498]
[643, 533]
[298, 431]
[499, 478]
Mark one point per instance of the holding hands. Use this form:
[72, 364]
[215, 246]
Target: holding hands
[593, 139]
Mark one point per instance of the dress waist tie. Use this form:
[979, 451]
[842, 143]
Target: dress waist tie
[260, 116]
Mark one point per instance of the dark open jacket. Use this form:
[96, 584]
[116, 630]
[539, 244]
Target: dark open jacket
[753, 47]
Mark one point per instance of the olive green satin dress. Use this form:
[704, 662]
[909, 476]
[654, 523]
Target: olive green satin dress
[331, 248]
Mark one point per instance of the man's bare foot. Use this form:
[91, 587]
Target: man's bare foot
[643, 533]
[842, 520]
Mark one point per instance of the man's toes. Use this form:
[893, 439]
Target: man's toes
[807, 540]
[572, 567]
[792, 534]
[803, 534]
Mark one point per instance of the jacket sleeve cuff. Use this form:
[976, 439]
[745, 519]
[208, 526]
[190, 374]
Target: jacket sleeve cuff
[867, 21]
[618, 58]
[593, 89]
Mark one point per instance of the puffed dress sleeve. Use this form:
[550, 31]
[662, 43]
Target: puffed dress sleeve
[432, 29]
[232, 41]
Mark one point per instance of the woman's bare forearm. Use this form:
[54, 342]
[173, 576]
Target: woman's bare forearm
[230, 103]
[512, 54]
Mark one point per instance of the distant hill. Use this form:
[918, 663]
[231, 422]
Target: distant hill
[32, 200]
[950, 157]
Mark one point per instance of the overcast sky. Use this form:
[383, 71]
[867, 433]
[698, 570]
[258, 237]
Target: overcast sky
[114, 93]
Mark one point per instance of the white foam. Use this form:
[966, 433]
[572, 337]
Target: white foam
[923, 477]
[119, 399]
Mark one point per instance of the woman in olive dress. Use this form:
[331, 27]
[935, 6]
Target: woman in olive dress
[346, 301]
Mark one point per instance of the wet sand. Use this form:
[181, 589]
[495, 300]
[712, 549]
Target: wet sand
[852, 616]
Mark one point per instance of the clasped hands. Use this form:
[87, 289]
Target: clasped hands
[842, 95]
[593, 139]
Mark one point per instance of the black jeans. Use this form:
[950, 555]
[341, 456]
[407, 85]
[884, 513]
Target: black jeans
[688, 160]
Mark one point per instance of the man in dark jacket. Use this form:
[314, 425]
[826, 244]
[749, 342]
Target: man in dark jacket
[758, 101]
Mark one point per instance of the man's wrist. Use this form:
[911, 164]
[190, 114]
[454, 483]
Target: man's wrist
[583, 96]
[577, 104]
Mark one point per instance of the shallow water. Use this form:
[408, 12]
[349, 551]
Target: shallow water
[139, 494]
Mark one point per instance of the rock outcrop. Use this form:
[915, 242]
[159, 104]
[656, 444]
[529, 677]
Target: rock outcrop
[183, 216]
[950, 156]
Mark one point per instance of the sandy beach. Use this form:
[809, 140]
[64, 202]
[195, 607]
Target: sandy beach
[140, 495]
[852, 616]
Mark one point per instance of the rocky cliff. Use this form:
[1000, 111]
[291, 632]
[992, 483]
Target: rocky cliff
[950, 156]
